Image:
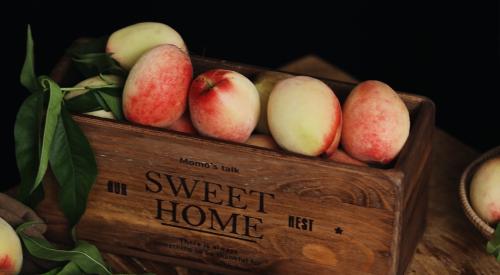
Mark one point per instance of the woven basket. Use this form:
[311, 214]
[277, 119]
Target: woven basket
[465, 180]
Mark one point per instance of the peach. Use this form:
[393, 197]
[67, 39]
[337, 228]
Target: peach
[183, 124]
[11, 251]
[485, 191]
[128, 44]
[264, 141]
[341, 156]
[265, 83]
[376, 123]
[96, 81]
[156, 89]
[224, 105]
[304, 115]
[336, 140]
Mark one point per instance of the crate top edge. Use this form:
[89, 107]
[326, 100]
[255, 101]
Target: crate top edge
[392, 173]
[406, 96]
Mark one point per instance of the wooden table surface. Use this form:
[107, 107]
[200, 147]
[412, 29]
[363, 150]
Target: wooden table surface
[450, 245]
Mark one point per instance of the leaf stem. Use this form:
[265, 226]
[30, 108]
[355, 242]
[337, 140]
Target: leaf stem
[24, 235]
[90, 87]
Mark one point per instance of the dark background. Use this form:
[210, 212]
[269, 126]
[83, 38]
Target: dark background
[449, 53]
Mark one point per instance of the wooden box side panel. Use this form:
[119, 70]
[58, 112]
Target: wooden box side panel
[415, 162]
[343, 217]
[268, 188]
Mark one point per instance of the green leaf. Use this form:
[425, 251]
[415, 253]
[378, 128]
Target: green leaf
[493, 246]
[54, 271]
[85, 256]
[28, 135]
[94, 266]
[97, 63]
[98, 98]
[74, 167]
[91, 59]
[70, 268]
[51, 118]
[101, 101]
[83, 103]
[28, 77]
[113, 100]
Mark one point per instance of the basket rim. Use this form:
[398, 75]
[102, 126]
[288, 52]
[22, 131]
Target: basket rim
[465, 179]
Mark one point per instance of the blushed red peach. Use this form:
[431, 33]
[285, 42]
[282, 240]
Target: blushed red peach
[376, 123]
[128, 44]
[264, 141]
[11, 251]
[183, 124]
[304, 115]
[224, 105]
[156, 89]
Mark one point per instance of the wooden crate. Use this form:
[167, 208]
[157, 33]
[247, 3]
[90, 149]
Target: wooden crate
[227, 207]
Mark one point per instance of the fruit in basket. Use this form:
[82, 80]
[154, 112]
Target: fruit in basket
[304, 115]
[11, 251]
[485, 191]
[156, 89]
[265, 83]
[264, 141]
[94, 82]
[224, 105]
[183, 124]
[376, 123]
[341, 156]
[128, 44]
[336, 140]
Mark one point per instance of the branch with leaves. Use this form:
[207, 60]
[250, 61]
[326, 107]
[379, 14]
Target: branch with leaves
[46, 135]
[84, 258]
[493, 246]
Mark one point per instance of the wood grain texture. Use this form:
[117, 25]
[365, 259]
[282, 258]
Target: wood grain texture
[451, 244]
[360, 201]
[379, 213]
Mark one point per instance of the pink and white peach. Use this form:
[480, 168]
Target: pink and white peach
[485, 191]
[264, 141]
[156, 89]
[304, 115]
[11, 251]
[341, 156]
[128, 44]
[376, 123]
[183, 124]
[265, 83]
[224, 105]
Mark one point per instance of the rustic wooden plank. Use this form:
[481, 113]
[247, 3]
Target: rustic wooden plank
[315, 66]
[331, 202]
[415, 160]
